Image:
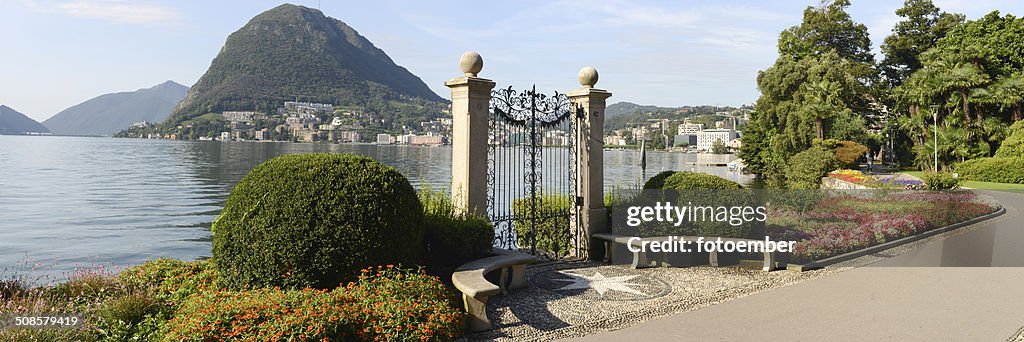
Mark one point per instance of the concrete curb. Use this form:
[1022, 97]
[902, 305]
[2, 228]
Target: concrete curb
[887, 245]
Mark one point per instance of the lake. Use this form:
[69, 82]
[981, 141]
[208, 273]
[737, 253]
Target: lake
[68, 202]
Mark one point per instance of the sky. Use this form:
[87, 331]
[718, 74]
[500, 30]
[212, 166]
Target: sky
[57, 53]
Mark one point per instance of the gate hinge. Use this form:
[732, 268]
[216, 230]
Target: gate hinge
[579, 201]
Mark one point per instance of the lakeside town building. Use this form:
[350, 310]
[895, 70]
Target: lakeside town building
[707, 138]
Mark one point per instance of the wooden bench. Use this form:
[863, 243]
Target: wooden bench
[614, 244]
[471, 280]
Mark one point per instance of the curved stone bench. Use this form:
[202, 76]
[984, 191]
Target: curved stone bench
[471, 280]
[644, 259]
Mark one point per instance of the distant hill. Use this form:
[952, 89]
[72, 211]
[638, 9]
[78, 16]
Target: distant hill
[293, 52]
[110, 113]
[623, 108]
[12, 122]
[625, 114]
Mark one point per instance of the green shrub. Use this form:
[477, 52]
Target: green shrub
[131, 308]
[171, 281]
[718, 147]
[134, 316]
[998, 170]
[551, 223]
[151, 328]
[698, 181]
[263, 314]
[707, 202]
[1013, 145]
[658, 181]
[385, 304]
[806, 168]
[452, 238]
[848, 153]
[315, 220]
[403, 305]
[704, 190]
[618, 198]
[940, 180]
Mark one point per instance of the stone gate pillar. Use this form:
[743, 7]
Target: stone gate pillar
[589, 164]
[471, 96]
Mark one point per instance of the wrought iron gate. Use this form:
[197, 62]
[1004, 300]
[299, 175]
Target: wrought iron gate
[532, 194]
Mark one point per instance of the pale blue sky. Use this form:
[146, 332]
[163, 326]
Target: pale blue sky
[57, 53]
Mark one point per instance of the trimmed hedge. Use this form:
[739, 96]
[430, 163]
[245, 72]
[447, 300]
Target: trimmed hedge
[452, 238]
[1013, 145]
[998, 170]
[658, 181]
[940, 181]
[699, 188]
[315, 220]
[552, 223]
[686, 180]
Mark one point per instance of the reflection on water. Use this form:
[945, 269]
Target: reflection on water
[67, 201]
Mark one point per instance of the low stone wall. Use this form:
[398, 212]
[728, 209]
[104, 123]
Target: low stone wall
[839, 184]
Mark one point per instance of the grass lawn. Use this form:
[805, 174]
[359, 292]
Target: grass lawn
[979, 185]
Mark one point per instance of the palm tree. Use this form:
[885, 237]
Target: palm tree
[918, 94]
[1008, 93]
[822, 101]
[955, 73]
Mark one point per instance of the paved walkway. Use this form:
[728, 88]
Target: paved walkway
[956, 302]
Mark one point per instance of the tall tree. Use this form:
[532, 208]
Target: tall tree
[817, 88]
[922, 26]
[828, 27]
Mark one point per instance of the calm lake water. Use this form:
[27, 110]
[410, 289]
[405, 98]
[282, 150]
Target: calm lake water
[68, 202]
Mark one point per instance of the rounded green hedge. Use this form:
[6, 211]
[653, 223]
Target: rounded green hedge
[685, 180]
[940, 181]
[997, 170]
[1013, 145]
[316, 220]
[658, 181]
[703, 190]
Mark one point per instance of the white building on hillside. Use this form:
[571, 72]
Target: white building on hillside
[689, 128]
[706, 138]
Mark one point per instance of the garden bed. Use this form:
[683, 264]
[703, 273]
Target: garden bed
[840, 227]
[853, 179]
[173, 300]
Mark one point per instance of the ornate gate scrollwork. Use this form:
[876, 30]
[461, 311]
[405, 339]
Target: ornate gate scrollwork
[532, 197]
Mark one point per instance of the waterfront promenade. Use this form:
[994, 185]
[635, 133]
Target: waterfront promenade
[973, 296]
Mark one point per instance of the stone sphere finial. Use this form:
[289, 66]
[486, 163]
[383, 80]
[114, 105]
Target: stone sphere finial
[471, 63]
[588, 77]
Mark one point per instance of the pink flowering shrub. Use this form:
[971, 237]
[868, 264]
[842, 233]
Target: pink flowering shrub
[842, 224]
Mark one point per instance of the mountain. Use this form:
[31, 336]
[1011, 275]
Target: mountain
[293, 52]
[13, 122]
[110, 113]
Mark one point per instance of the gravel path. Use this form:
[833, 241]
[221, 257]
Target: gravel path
[552, 308]
[1018, 337]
